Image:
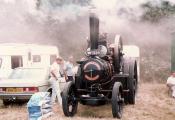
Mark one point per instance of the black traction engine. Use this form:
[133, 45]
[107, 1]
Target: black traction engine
[104, 76]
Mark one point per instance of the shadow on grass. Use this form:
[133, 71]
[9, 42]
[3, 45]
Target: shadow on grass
[18, 103]
[104, 111]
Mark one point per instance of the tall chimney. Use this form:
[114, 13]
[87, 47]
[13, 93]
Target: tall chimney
[94, 31]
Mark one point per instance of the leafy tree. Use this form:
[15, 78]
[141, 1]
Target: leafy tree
[154, 13]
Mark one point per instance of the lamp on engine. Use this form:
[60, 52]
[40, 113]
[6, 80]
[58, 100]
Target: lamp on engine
[106, 75]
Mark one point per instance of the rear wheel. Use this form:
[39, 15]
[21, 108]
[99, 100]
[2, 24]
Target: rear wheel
[117, 100]
[132, 83]
[130, 67]
[69, 101]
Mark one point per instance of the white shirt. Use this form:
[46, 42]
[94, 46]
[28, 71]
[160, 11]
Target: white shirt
[69, 68]
[55, 68]
[171, 80]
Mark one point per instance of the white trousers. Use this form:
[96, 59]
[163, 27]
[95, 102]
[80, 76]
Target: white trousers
[173, 90]
[56, 92]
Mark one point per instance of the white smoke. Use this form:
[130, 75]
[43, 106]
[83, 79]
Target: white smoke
[41, 20]
[65, 23]
[124, 17]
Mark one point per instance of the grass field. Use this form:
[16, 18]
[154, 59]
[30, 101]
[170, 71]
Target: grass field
[153, 103]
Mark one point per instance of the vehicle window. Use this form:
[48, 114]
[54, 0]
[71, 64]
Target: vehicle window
[16, 61]
[36, 58]
[0, 62]
[52, 58]
[29, 56]
[28, 73]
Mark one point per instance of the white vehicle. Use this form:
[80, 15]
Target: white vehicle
[24, 82]
[13, 55]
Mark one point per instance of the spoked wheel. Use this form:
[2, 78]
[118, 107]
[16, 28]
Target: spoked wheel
[132, 83]
[117, 100]
[132, 92]
[69, 101]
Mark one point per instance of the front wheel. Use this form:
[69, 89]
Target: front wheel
[69, 101]
[117, 100]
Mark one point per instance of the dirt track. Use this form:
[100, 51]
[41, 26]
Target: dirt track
[153, 103]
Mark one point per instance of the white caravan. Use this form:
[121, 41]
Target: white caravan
[13, 55]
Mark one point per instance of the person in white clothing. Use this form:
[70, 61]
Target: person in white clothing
[54, 80]
[69, 66]
[171, 84]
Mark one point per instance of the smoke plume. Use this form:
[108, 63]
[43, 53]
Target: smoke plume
[65, 23]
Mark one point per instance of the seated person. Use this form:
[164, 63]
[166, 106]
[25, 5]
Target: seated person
[171, 84]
